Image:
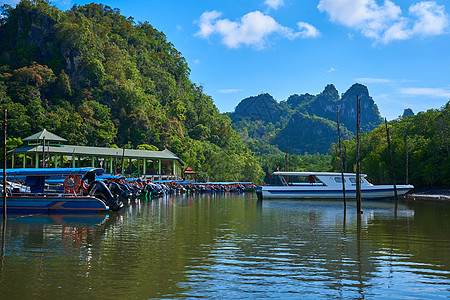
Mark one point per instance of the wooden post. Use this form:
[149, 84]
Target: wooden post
[123, 160]
[285, 162]
[407, 160]
[73, 158]
[4, 164]
[340, 153]
[358, 177]
[392, 162]
[335, 156]
[345, 159]
[43, 152]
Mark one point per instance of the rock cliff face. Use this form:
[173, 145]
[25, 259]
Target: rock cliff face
[262, 107]
[370, 115]
[307, 123]
[39, 36]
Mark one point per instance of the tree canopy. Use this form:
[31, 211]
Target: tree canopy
[98, 78]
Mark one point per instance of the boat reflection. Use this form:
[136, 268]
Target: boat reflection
[56, 219]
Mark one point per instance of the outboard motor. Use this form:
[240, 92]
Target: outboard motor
[99, 190]
[117, 190]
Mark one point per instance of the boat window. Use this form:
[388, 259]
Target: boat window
[353, 180]
[338, 179]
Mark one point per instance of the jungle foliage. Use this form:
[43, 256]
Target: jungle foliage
[422, 141]
[97, 78]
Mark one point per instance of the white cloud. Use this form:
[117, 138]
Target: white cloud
[229, 91]
[307, 30]
[274, 4]
[432, 19]
[206, 26]
[331, 70]
[430, 92]
[251, 30]
[386, 23]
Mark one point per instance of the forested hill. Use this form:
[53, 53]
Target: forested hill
[97, 78]
[304, 123]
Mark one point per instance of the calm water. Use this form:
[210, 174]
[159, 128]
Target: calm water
[231, 247]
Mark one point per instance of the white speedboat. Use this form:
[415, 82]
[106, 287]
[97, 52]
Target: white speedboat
[323, 185]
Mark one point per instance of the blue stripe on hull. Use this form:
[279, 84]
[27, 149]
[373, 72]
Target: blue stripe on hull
[53, 205]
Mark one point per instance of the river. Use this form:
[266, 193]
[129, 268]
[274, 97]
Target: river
[230, 246]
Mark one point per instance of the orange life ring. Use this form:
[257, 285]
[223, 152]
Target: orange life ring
[83, 185]
[72, 183]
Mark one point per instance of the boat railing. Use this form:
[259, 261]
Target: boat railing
[306, 184]
[44, 195]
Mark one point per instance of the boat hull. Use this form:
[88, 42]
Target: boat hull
[53, 204]
[378, 192]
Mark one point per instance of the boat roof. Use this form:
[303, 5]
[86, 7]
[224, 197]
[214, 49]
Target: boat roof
[49, 171]
[316, 174]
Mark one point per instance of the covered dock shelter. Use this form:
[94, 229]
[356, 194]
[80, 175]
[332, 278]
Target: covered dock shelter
[45, 149]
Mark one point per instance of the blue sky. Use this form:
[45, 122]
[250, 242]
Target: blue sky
[235, 49]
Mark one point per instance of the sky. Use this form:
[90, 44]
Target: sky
[236, 49]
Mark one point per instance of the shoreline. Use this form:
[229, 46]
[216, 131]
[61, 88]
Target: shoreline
[429, 194]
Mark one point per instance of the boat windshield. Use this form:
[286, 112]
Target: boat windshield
[353, 180]
[289, 180]
[338, 179]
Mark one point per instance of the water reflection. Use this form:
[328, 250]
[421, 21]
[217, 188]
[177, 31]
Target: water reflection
[215, 246]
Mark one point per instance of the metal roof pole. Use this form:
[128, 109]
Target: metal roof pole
[144, 167]
[159, 167]
[139, 166]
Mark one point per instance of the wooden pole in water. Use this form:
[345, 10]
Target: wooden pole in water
[335, 156]
[345, 159]
[407, 160]
[4, 163]
[358, 179]
[286, 161]
[392, 162]
[340, 153]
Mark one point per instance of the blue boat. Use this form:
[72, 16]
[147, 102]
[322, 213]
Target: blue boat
[34, 200]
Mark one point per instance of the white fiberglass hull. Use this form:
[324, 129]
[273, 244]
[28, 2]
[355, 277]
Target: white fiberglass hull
[324, 192]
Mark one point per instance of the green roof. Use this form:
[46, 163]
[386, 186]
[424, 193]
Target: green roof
[68, 150]
[44, 134]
